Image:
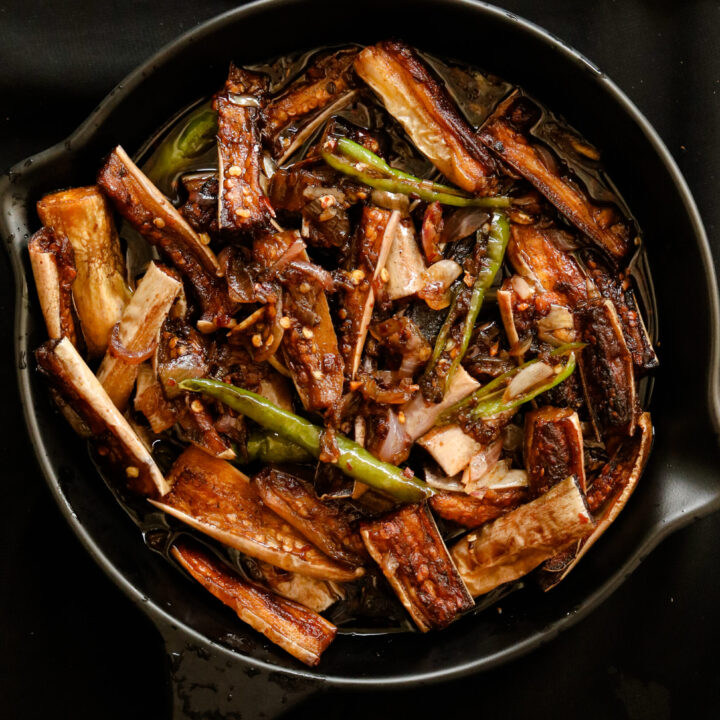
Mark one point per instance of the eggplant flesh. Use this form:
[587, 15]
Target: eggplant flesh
[470, 511]
[217, 499]
[296, 629]
[408, 548]
[506, 134]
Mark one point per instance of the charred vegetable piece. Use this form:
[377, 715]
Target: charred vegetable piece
[606, 369]
[215, 498]
[353, 460]
[135, 338]
[471, 511]
[155, 218]
[447, 355]
[242, 205]
[509, 547]
[405, 267]
[451, 447]
[53, 264]
[423, 107]
[199, 429]
[553, 448]
[151, 401]
[408, 548]
[99, 289]
[326, 525]
[182, 354]
[352, 162]
[299, 631]
[200, 208]
[606, 498]
[506, 133]
[326, 81]
[77, 385]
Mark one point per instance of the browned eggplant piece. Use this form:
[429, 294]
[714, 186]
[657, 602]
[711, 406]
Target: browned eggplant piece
[182, 355]
[242, 205]
[198, 427]
[371, 248]
[606, 498]
[619, 291]
[215, 498]
[326, 525]
[606, 369]
[317, 595]
[200, 207]
[151, 401]
[507, 134]
[299, 631]
[424, 108]
[451, 448]
[553, 448]
[155, 218]
[408, 548]
[470, 511]
[136, 336]
[402, 340]
[100, 290]
[53, 264]
[323, 84]
[75, 382]
[516, 543]
[309, 343]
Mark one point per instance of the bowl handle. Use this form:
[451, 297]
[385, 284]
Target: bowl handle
[205, 683]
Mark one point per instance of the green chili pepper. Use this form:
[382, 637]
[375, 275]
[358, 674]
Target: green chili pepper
[488, 400]
[268, 447]
[199, 134]
[416, 186]
[354, 460]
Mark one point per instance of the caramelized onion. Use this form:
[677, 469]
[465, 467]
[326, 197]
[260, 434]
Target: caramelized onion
[118, 350]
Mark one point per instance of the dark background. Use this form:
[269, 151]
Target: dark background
[72, 646]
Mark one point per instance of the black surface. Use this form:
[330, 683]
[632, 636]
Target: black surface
[74, 647]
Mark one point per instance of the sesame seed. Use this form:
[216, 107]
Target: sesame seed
[317, 374]
[257, 340]
[132, 472]
[243, 213]
[384, 275]
[234, 171]
[196, 406]
[304, 287]
[158, 222]
[401, 417]
[285, 322]
[357, 276]
[308, 333]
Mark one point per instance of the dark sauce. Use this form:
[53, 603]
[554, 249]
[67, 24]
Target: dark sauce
[371, 607]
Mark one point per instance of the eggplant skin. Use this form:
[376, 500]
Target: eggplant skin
[301, 632]
[423, 107]
[408, 548]
[507, 134]
[326, 525]
[470, 511]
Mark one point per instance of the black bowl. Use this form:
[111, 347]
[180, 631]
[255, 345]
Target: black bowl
[680, 482]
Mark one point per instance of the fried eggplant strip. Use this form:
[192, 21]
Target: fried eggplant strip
[299, 631]
[326, 525]
[553, 448]
[99, 290]
[606, 498]
[217, 499]
[151, 401]
[506, 133]
[75, 382]
[155, 218]
[470, 511]
[408, 548]
[423, 107]
[53, 264]
[242, 205]
[137, 332]
[509, 547]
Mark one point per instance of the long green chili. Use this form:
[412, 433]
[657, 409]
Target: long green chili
[488, 400]
[353, 459]
[409, 185]
[269, 447]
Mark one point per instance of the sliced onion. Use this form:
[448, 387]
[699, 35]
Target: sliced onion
[437, 280]
[294, 250]
[463, 222]
[440, 482]
[527, 379]
[118, 350]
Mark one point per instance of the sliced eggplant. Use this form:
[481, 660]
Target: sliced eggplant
[155, 218]
[137, 334]
[606, 369]
[151, 401]
[242, 205]
[53, 264]
[470, 511]
[100, 290]
[516, 543]
[325, 524]
[299, 631]
[553, 448]
[451, 447]
[200, 208]
[215, 498]
[405, 265]
[424, 108]
[507, 133]
[408, 548]
[606, 498]
[76, 384]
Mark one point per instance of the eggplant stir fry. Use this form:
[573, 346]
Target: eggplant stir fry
[360, 338]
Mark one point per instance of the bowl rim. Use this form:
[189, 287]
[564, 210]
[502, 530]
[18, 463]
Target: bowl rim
[162, 618]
